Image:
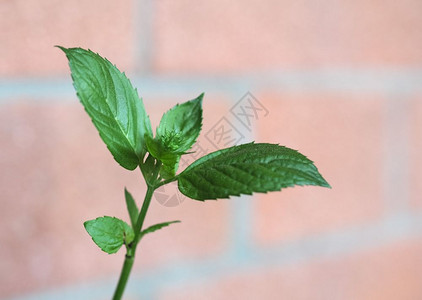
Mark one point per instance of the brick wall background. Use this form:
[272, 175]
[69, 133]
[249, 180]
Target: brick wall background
[339, 80]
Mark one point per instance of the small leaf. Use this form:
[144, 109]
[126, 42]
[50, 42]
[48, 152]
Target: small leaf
[180, 126]
[155, 228]
[113, 105]
[109, 233]
[169, 169]
[131, 208]
[178, 130]
[246, 169]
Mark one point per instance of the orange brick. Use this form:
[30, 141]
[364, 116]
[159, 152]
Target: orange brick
[56, 174]
[31, 28]
[343, 136]
[235, 36]
[392, 272]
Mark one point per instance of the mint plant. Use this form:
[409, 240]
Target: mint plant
[123, 124]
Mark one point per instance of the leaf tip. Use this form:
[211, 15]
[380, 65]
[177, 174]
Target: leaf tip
[61, 48]
[326, 184]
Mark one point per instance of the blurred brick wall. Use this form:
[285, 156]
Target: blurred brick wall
[339, 80]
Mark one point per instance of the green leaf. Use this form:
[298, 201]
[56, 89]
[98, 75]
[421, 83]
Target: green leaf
[113, 105]
[180, 126]
[109, 233]
[131, 208]
[155, 228]
[178, 130]
[169, 159]
[246, 169]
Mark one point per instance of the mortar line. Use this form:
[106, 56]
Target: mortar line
[143, 41]
[313, 81]
[396, 153]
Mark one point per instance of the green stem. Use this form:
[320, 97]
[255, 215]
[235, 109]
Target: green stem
[124, 276]
[131, 248]
[142, 214]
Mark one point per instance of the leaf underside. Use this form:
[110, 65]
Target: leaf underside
[156, 227]
[132, 208]
[246, 169]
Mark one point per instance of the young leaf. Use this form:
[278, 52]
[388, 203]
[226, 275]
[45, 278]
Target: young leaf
[180, 126]
[178, 130]
[109, 233]
[155, 228]
[246, 169]
[169, 160]
[131, 208]
[113, 105]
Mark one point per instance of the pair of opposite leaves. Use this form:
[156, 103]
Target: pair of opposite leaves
[123, 124]
[120, 117]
